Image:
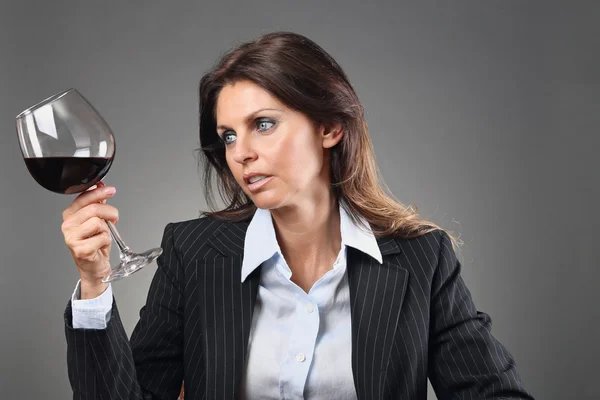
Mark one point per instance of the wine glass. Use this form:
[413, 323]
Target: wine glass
[68, 148]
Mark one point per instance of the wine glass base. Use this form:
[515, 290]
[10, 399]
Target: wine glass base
[132, 264]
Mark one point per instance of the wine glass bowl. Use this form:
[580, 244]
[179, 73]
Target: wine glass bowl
[68, 147]
[66, 144]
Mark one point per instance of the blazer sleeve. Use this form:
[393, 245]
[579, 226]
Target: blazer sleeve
[466, 361]
[104, 364]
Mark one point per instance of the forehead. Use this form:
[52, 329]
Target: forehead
[238, 99]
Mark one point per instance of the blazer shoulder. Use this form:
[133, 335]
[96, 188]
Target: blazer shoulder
[204, 231]
[199, 229]
[426, 250]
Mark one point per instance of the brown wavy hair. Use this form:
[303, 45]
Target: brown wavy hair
[305, 78]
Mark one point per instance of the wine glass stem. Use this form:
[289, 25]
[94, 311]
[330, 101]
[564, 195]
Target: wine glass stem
[124, 252]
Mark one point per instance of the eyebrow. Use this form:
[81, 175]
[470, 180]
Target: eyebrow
[250, 116]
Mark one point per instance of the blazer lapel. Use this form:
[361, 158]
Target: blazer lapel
[376, 295]
[227, 306]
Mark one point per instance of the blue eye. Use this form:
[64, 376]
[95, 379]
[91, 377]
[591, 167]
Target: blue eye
[228, 138]
[264, 124]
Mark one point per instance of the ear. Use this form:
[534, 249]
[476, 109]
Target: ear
[331, 135]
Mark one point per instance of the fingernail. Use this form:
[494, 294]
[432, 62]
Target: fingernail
[110, 190]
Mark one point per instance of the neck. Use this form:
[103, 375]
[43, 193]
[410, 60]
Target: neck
[309, 235]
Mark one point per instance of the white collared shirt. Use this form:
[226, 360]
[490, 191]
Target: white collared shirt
[300, 344]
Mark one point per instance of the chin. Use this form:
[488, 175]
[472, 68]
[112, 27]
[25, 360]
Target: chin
[266, 201]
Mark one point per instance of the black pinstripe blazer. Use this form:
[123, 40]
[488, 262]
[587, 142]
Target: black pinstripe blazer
[412, 318]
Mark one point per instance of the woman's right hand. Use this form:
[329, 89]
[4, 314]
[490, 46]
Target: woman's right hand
[88, 237]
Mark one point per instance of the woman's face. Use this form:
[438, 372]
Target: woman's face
[277, 155]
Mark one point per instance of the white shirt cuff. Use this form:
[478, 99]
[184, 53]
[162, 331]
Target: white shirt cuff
[92, 313]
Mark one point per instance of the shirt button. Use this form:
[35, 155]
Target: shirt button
[309, 308]
[300, 357]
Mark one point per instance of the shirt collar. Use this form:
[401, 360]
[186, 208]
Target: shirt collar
[260, 242]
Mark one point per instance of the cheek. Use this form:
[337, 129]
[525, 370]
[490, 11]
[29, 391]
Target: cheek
[235, 168]
[300, 157]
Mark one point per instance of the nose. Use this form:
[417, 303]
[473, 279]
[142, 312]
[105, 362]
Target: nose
[243, 151]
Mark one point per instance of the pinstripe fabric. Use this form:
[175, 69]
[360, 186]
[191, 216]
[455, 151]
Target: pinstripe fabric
[412, 317]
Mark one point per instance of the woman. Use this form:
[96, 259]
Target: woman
[311, 283]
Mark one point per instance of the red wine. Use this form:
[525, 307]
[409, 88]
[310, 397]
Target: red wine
[68, 175]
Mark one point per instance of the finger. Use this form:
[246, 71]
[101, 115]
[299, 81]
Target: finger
[86, 249]
[86, 198]
[99, 184]
[91, 227]
[103, 211]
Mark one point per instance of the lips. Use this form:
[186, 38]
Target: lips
[253, 177]
[256, 178]
[257, 181]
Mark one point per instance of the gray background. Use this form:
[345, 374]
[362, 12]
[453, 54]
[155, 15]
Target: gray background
[483, 114]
